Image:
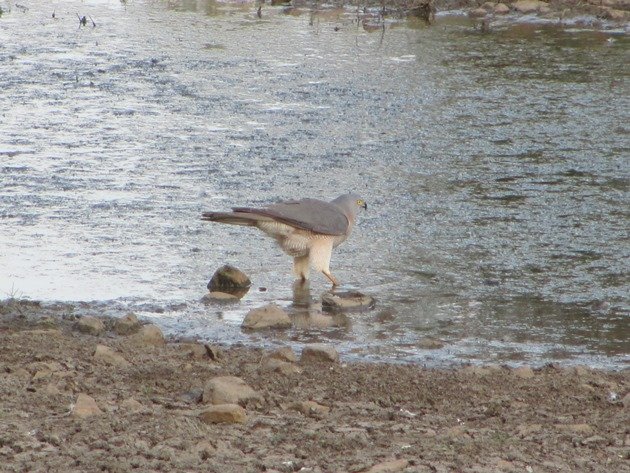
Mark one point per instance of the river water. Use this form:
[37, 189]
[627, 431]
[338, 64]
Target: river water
[495, 166]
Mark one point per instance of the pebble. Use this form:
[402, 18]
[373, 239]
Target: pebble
[269, 316]
[149, 335]
[132, 405]
[228, 390]
[109, 356]
[575, 428]
[127, 325]
[224, 413]
[319, 352]
[528, 6]
[282, 354]
[626, 401]
[85, 406]
[90, 325]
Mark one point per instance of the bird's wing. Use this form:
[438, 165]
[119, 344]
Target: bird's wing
[309, 214]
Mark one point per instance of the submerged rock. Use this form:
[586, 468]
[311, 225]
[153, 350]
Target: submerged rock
[346, 301]
[269, 316]
[229, 279]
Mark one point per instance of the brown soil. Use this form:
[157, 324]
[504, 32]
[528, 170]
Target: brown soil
[386, 417]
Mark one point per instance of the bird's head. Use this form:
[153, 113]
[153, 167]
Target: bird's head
[350, 205]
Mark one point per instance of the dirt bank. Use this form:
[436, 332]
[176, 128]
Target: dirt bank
[148, 397]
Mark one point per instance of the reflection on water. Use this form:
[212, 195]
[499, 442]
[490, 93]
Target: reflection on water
[495, 167]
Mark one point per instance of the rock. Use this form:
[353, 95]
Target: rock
[228, 390]
[575, 428]
[149, 335]
[224, 414]
[279, 366]
[52, 390]
[524, 372]
[282, 354]
[132, 405]
[501, 9]
[109, 356]
[319, 352]
[127, 325]
[218, 296]
[429, 343]
[478, 12]
[269, 316]
[85, 406]
[528, 6]
[228, 279]
[626, 401]
[391, 466]
[347, 301]
[488, 6]
[595, 439]
[310, 409]
[43, 374]
[90, 325]
[614, 15]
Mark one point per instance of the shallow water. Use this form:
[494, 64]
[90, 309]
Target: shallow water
[495, 167]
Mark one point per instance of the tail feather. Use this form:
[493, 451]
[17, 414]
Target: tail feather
[233, 218]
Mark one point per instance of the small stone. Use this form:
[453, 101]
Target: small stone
[85, 406]
[310, 409]
[224, 413]
[595, 439]
[127, 325]
[90, 325]
[488, 6]
[347, 301]
[149, 335]
[501, 9]
[132, 405]
[523, 372]
[319, 352]
[228, 390]
[42, 375]
[626, 401]
[52, 390]
[269, 316]
[391, 466]
[109, 356]
[227, 278]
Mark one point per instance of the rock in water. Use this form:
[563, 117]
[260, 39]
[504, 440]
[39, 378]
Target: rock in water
[229, 279]
[127, 325]
[269, 316]
[319, 352]
[85, 407]
[228, 390]
[346, 301]
[90, 325]
[224, 413]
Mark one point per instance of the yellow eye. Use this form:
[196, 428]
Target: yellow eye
[360, 203]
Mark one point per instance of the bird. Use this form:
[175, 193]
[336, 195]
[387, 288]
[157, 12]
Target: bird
[306, 229]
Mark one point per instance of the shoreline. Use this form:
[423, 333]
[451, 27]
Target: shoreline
[98, 394]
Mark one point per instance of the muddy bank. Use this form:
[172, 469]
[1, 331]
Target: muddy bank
[80, 397]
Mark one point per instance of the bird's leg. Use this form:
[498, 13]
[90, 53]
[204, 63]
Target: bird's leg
[301, 267]
[332, 278]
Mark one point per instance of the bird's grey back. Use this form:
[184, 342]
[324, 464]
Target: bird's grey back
[309, 214]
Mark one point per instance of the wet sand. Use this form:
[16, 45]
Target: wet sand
[149, 395]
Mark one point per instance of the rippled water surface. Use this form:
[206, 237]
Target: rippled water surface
[495, 167]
